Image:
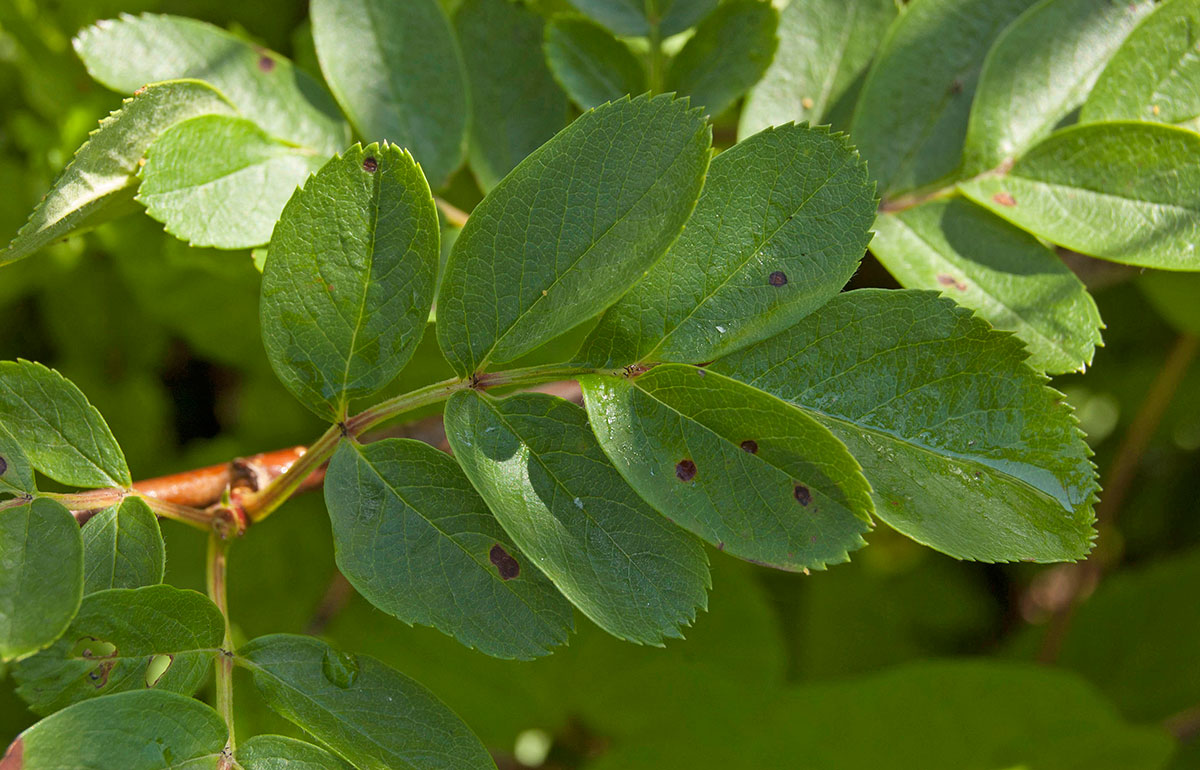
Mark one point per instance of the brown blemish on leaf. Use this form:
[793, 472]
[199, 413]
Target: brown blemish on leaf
[720, 545]
[685, 470]
[506, 565]
[750, 445]
[949, 280]
[803, 495]
[266, 63]
[370, 165]
[807, 103]
[14, 757]
[3, 466]
[1004, 199]
[778, 278]
[99, 674]
[956, 87]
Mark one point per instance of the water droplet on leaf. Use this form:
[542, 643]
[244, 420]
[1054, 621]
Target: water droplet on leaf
[340, 668]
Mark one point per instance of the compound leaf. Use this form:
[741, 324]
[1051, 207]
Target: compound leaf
[119, 640]
[370, 715]
[535, 461]
[966, 449]
[571, 228]
[413, 537]
[99, 182]
[745, 471]
[276, 752]
[123, 548]
[780, 227]
[591, 65]
[349, 279]
[396, 70]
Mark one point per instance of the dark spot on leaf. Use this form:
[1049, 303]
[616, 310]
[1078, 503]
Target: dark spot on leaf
[720, 545]
[266, 63]
[370, 165]
[14, 757]
[506, 565]
[778, 278]
[813, 540]
[750, 445]
[3, 466]
[99, 674]
[956, 86]
[803, 496]
[685, 470]
[1004, 199]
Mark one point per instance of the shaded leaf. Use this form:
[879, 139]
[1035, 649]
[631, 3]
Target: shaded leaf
[1126, 192]
[221, 181]
[570, 229]
[122, 548]
[369, 714]
[148, 730]
[416, 540]
[825, 47]
[63, 435]
[1004, 274]
[115, 643]
[758, 478]
[1040, 69]
[912, 113]
[534, 459]
[396, 70]
[349, 280]
[729, 52]
[99, 182]
[966, 449]
[591, 65]
[16, 474]
[41, 576]
[636, 17]
[515, 103]
[131, 51]
[275, 752]
[780, 226]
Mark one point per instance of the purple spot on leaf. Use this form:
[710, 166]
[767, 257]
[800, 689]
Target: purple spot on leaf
[370, 165]
[803, 495]
[685, 470]
[506, 565]
[750, 445]
[778, 278]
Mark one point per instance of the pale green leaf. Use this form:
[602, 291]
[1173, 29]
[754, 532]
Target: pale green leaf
[745, 471]
[1004, 274]
[41, 576]
[114, 643]
[1154, 73]
[275, 752]
[350, 276]
[781, 225]
[122, 548]
[367, 713]
[912, 112]
[396, 70]
[515, 103]
[534, 459]
[413, 537]
[131, 51]
[221, 181]
[1127, 192]
[99, 182]
[636, 17]
[966, 449]
[729, 52]
[148, 730]
[571, 228]
[16, 474]
[63, 435]
[1040, 69]
[591, 65]
[825, 47]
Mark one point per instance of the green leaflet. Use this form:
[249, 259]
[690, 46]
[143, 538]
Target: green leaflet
[122, 548]
[367, 713]
[633, 17]
[745, 471]
[515, 103]
[415, 540]
[780, 227]
[99, 182]
[729, 52]
[148, 730]
[127, 53]
[966, 449]
[825, 47]
[1006, 275]
[1153, 74]
[1126, 192]
[275, 752]
[221, 181]
[1039, 70]
[912, 113]
[349, 280]
[115, 638]
[396, 70]
[535, 461]
[16, 474]
[591, 65]
[63, 435]
[571, 228]
[41, 575]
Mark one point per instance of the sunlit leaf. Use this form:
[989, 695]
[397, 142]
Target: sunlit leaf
[122, 548]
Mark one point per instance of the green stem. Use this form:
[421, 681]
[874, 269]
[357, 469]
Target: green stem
[224, 665]
[656, 59]
[94, 499]
[259, 505]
